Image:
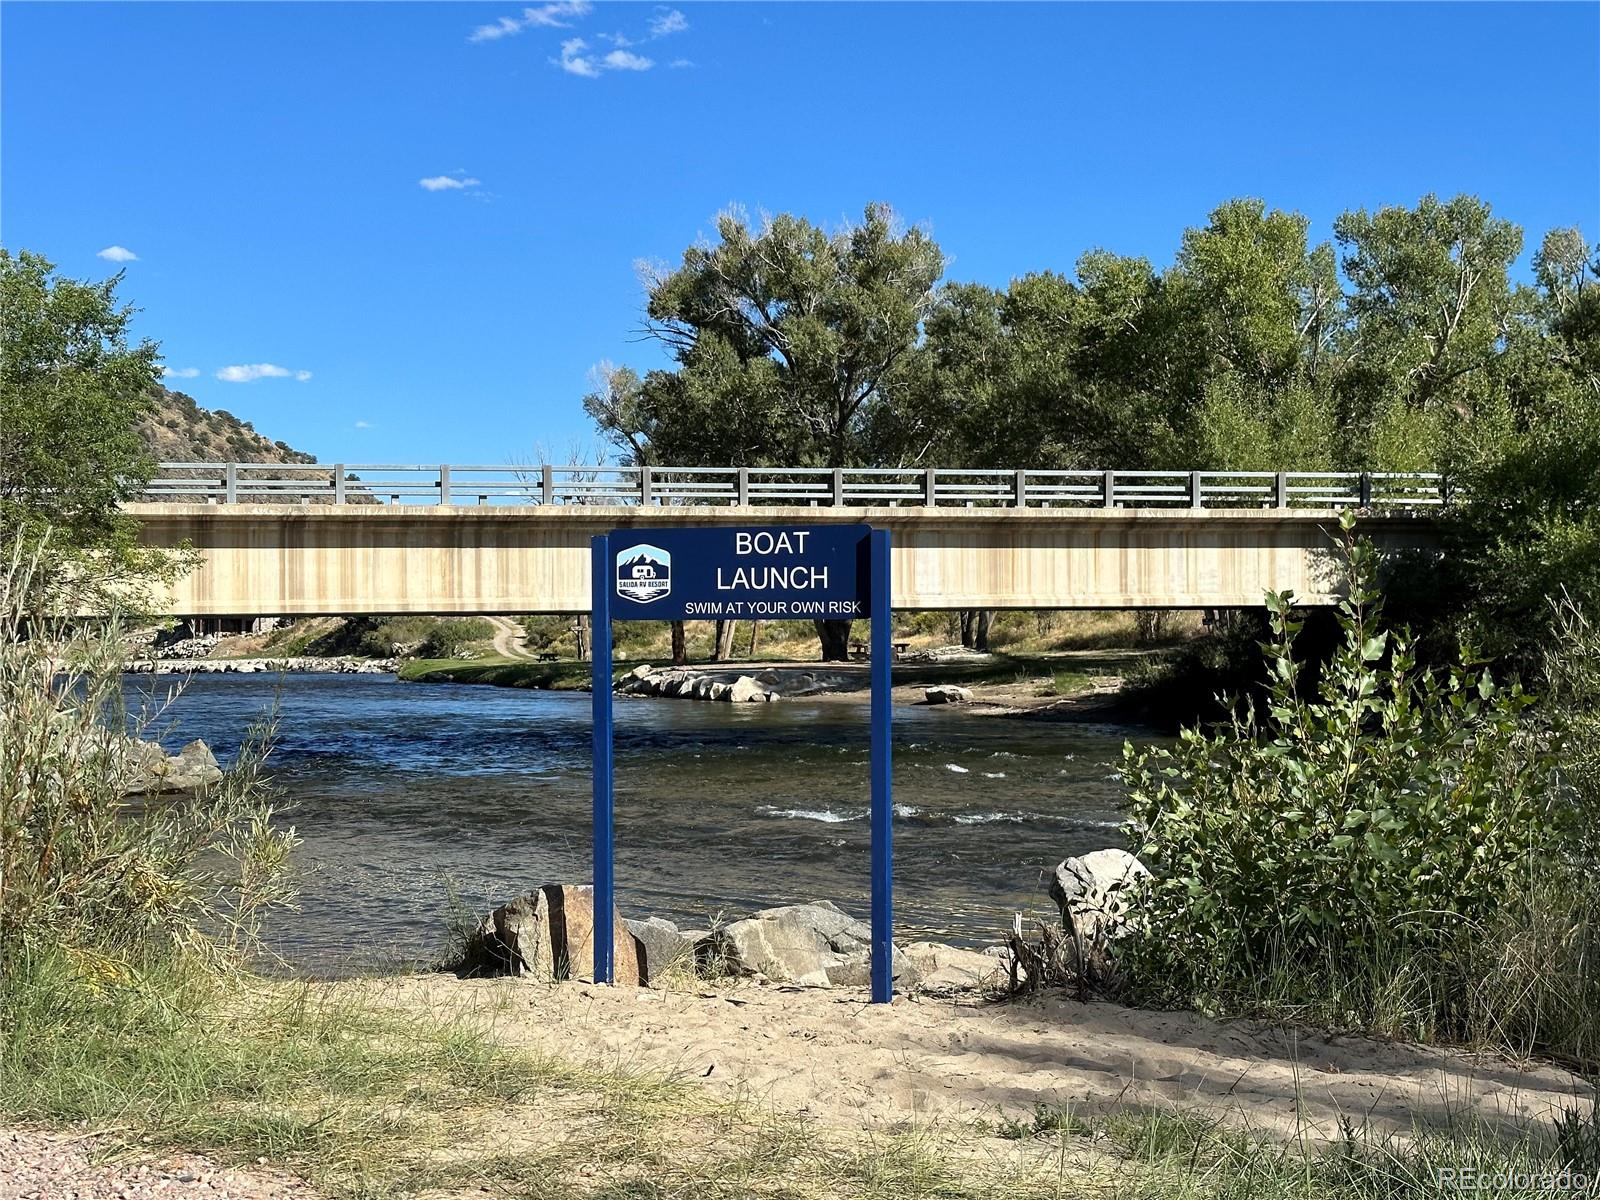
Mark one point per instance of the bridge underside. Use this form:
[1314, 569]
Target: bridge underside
[280, 560]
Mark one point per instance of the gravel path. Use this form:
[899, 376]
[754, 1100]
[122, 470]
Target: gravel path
[509, 639]
[36, 1165]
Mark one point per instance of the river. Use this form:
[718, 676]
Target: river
[405, 793]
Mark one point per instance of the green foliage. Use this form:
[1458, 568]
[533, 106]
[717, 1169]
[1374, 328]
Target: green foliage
[1368, 849]
[72, 392]
[385, 637]
[451, 636]
[83, 871]
[1529, 526]
[784, 337]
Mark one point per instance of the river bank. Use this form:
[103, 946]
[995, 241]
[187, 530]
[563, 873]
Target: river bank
[1084, 685]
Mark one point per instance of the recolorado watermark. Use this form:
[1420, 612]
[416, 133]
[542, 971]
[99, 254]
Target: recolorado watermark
[1502, 1181]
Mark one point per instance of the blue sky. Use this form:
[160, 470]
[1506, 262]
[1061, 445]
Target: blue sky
[285, 174]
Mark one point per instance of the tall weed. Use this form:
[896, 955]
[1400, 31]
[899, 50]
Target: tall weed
[110, 879]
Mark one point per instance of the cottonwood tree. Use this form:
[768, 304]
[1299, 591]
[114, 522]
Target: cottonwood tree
[1430, 304]
[784, 337]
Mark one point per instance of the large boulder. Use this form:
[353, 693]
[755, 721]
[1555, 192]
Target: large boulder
[814, 945]
[947, 693]
[662, 945]
[572, 936]
[149, 771]
[1095, 893]
[548, 934]
[943, 970]
[515, 938]
[745, 690]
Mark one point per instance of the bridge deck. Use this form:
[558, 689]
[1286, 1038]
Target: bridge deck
[276, 559]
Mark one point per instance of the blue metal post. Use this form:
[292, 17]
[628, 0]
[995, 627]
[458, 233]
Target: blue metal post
[600, 683]
[882, 797]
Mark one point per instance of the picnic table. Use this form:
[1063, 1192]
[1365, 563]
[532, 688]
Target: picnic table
[547, 656]
[859, 649]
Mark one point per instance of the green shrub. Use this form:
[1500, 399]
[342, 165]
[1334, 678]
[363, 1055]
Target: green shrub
[1393, 850]
[450, 636]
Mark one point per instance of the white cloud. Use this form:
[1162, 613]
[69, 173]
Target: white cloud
[678, 64]
[558, 15]
[445, 183]
[250, 372]
[363, 425]
[627, 60]
[578, 55]
[574, 61]
[501, 28]
[117, 254]
[180, 372]
[669, 21]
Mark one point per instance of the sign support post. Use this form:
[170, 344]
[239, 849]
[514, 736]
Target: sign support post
[790, 572]
[882, 798]
[600, 683]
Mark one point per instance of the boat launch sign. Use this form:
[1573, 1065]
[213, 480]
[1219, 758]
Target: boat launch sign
[769, 573]
[743, 573]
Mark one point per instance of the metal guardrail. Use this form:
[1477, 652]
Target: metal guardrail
[340, 483]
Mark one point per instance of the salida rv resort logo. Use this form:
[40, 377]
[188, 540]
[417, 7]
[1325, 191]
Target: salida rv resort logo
[644, 573]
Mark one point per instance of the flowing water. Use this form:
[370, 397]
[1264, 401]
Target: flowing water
[403, 793]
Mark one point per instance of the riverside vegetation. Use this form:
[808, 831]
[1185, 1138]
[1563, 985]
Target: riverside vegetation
[1384, 847]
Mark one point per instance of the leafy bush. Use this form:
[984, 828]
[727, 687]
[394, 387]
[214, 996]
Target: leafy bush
[1393, 850]
[449, 637]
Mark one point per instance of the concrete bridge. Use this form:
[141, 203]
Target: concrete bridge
[331, 539]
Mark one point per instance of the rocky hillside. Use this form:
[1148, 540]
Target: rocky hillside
[179, 430]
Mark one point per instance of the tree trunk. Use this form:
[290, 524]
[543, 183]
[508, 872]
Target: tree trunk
[680, 645]
[966, 628]
[723, 650]
[580, 630]
[835, 639]
[980, 630]
[755, 637]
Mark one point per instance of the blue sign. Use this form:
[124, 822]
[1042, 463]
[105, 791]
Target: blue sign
[757, 572]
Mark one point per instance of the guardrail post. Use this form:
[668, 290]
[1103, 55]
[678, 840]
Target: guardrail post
[1364, 490]
[230, 483]
[644, 486]
[444, 484]
[548, 483]
[1280, 490]
[1195, 498]
[1020, 491]
[744, 487]
[338, 483]
[1110, 488]
[930, 487]
[838, 487]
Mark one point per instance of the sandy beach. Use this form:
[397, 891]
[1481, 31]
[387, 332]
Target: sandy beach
[828, 1055]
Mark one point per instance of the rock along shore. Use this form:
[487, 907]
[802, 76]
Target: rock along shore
[269, 666]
